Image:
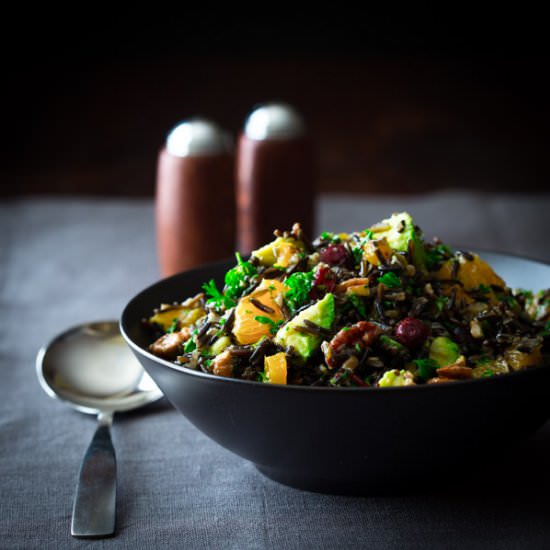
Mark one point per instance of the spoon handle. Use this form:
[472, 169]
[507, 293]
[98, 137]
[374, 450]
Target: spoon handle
[95, 501]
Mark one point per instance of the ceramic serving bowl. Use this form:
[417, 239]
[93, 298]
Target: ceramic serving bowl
[349, 440]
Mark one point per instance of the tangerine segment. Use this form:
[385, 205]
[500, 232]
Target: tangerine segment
[471, 273]
[377, 251]
[275, 368]
[247, 329]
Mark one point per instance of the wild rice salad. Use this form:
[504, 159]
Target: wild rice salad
[378, 307]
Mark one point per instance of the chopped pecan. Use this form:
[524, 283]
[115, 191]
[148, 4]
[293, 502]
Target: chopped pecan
[223, 364]
[169, 345]
[440, 380]
[362, 332]
[455, 372]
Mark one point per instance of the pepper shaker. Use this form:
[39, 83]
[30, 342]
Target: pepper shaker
[275, 175]
[194, 203]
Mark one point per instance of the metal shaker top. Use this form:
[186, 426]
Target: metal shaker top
[196, 137]
[274, 121]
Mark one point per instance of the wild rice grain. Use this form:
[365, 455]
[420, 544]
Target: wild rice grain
[261, 306]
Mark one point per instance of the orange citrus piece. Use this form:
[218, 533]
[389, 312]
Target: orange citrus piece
[370, 249]
[275, 368]
[471, 273]
[246, 328]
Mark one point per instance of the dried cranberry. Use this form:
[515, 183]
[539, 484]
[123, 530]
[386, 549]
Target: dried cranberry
[334, 254]
[411, 332]
[324, 277]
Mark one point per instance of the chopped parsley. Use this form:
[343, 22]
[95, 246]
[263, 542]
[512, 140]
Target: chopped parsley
[267, 321]
[426, 368]
[189, 346]
[441, 302]
[527, 294]
[390, 279]
[358, 304]
[510, 301]
[299, 285]
[173, 327]
[330, 237]
[357, 254]
[236, 281]
[216, 297]
[437, 254]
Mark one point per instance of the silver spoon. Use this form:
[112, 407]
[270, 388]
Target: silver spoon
[91, 368]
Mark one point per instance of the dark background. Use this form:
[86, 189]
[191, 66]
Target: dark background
[396, 104]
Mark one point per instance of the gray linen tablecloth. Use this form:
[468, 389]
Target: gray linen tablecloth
[65, 261]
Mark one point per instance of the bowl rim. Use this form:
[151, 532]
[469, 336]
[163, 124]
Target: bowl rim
[295, 387]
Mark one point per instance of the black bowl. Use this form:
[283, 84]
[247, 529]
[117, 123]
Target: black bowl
[344, 440]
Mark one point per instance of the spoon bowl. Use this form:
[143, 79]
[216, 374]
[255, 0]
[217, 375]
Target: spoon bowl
[90, 368]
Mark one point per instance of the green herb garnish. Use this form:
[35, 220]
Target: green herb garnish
[390, 279]
[189, 346]
[510, 301]
[216, 297]
[357, 254]
[236, 281]
[330, 237]
[484, 289]
[546, 329]
[267, 321]
[173, 327]
[441, 302]
[369, 235]
[437, 254]
[299, 285]
[358, 304]
[426, 368]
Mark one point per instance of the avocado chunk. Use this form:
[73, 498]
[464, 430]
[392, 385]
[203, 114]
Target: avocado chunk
[283, 251]
[399, 231]
[393, 378]
[304, 343]
[444, 351]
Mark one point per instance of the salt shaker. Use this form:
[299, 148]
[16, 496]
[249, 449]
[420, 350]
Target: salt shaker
[275, 175]
[194, 203]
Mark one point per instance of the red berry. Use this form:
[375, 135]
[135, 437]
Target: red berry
[334, 254]
[411, 332]
[324, 277]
